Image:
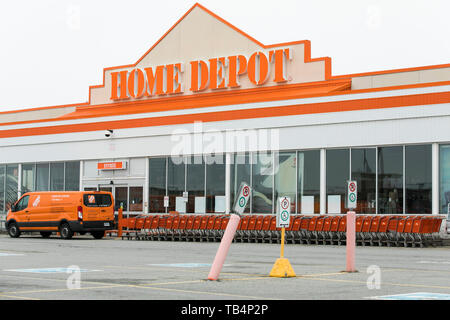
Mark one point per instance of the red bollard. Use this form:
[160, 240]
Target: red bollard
[225, 244]
[351, 241]
[119, 220]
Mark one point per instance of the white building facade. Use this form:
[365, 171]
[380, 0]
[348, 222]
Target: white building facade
[208, 107]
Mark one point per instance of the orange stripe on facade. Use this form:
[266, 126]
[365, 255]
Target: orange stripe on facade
[214, 99]
[292, 110]
[45, 108]
[375, 73]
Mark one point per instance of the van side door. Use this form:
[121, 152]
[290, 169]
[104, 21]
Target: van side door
[21, 212]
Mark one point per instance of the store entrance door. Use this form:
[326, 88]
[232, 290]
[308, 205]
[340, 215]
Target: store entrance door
[129, 197]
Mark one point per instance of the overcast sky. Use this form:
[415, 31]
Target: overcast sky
[52, 51]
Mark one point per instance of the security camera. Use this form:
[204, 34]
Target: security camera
[108, 133]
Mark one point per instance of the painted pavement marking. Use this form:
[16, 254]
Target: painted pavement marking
[415, 296]
[51, 270]
[183, 265]
[6, 254]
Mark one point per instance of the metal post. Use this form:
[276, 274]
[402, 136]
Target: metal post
[435, 179]
[323, 182]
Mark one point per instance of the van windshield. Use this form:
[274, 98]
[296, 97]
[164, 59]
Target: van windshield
[97, 200]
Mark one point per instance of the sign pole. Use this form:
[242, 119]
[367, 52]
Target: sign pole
[282, 268]
[350, 239]
[282, 243]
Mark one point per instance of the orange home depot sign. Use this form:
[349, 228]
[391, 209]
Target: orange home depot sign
[112, 165]
[216, 73]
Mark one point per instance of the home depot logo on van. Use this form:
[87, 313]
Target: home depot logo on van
[216, 73]
[36, 201]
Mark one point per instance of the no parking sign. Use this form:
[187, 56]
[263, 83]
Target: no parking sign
[242, 198]
[352, 192]
[283, 212]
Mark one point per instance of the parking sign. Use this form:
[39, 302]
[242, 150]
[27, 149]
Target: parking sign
[352, 191]
[283, 212]
[242, 198]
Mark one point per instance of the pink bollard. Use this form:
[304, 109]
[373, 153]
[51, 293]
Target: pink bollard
[351, 241]
[225, 244]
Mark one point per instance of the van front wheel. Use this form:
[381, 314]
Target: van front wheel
[13, 230]
[65, 231]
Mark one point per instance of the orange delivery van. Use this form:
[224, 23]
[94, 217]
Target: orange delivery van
[65, 212]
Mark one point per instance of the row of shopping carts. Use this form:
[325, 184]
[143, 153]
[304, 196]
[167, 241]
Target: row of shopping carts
[371, 230]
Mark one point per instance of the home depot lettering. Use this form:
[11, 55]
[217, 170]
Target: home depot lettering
[216, 73]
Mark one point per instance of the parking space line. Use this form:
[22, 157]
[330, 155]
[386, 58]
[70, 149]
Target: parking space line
[63, 289]
[9, 294]
[418, 270]
[321, 274]
[208, 293]
[188, 270]
[384, 283]
[52, 279]
[17, 297]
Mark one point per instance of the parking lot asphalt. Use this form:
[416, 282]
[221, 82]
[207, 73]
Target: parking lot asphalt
[113, 269]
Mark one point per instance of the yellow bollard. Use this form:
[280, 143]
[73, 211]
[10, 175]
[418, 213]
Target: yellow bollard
[282, 268]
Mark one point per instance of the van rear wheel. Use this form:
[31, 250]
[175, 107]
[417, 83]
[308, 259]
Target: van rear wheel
[65, 231]
[46, 234]
[13, 230]
[98, 234]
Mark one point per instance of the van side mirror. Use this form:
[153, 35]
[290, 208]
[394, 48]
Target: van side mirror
[13, 208]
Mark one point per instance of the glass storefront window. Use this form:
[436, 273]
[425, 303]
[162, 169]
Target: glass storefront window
[364, 172]
[390, 180]
[28, 177]
[42, 176]
[157, 184]
[121, 198]
[404, 181]
[136, 199]
[12, 183]
[72, 178]
[215, 184]
[285, 177]
[195, 185]
[240, 172]
[57, 176]
[176, 183]
[418, 179]
[262, 183]
[338, 172]
[444, 178]
[308, 179]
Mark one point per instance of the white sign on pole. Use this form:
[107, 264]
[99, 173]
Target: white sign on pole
[166, 201]
[352, 191]
[284, 212]
[242, 198]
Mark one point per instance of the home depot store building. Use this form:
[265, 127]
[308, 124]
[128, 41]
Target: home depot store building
[203, 111]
